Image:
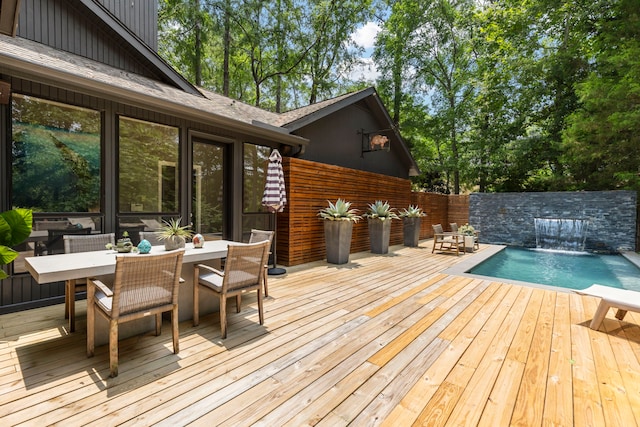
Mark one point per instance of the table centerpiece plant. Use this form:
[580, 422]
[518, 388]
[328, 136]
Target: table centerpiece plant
[173, 234]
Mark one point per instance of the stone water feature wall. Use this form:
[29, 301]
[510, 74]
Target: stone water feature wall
[508, 218]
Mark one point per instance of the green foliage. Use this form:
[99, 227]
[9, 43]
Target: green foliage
[381, 210]
[412, 212]
[15, 227]
[173, 228]
[489, 95]
[339, 211]
[603, 137]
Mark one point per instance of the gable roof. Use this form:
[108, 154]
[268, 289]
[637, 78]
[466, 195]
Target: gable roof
[301, 117]
[151, 58]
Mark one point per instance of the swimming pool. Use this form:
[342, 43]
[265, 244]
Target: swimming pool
[560, 269]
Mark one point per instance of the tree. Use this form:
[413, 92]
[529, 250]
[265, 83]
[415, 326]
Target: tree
[603, 139]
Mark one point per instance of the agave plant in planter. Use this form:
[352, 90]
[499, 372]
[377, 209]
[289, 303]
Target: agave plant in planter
[338, 227]
[411, 220]
[173, 234]
[379, 215]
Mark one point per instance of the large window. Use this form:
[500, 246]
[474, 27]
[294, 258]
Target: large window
[148, 167]
[256, 161]
[55, 153]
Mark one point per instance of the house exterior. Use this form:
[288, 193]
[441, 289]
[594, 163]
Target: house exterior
[98, 131]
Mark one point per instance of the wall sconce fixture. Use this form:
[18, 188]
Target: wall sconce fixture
[374, 141]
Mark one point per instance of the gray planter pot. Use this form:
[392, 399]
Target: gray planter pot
[173, 243]
[337, 237]
[411, 231]
[379, 234]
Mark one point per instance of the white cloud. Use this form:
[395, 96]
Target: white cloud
[365, 70]
[366, 36]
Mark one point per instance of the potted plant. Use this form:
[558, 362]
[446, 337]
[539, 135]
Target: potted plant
[469, 236]
[379, 216]
[124, 244]
[15, 227]
[173, 234]
[338, 227]
[411, 221]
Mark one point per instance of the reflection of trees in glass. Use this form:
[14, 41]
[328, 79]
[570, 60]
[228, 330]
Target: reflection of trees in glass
[256, 158]
[209, 198]
[55, 152]
[145, 149]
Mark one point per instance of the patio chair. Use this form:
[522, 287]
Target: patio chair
[55, 243]
[261, 236]
[454, 227]
[623, 300]
[447, 242]
[143, 286]
[244, 271]
[152, 237]
[75, 244]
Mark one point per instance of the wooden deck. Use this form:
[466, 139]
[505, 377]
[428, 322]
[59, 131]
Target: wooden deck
[385, 340]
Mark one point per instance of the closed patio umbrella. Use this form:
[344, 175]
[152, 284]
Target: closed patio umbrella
[274, 198]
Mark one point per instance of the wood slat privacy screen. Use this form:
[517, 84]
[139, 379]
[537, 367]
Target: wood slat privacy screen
[300, 230]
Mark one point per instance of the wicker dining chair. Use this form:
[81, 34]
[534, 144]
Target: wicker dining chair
[152, 237]
[243, 272]
[261, 236]
[79, 243]
[143, 285]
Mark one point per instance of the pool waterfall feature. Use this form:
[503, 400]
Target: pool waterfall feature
[561, 234]
[508, 218]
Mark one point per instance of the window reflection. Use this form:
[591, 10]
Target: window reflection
[55, 154]
[148, 167]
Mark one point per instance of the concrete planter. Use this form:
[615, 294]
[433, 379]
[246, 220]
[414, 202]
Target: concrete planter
[411, 231]
[379, 234]
[337, 237]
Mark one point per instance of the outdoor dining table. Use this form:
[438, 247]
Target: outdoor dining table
[56, 268]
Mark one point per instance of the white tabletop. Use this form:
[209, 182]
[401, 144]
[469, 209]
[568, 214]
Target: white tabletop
[56, 268]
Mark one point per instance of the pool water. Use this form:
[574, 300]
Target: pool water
[562, 269]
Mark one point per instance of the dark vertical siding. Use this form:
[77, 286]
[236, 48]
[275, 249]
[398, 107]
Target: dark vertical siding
[62, 25]
[140, 16]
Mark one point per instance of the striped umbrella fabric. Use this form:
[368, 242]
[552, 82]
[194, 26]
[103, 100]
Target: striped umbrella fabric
[275, 195]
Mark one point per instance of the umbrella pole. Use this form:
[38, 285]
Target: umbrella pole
[275, 271]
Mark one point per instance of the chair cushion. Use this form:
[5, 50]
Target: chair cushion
[139, 298]
[212, 281]
[103, 301]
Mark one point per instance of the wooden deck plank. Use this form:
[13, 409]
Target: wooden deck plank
[587, 407]
[558, 405]
[499, 408]
[531, 396]
[385, 340]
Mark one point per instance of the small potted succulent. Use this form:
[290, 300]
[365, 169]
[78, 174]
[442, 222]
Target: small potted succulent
[379, 217]
[411, 221]
[124, 244]
[338, 227]
[173, 234]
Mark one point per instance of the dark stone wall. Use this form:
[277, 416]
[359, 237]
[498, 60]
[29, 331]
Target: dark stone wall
[508, 218]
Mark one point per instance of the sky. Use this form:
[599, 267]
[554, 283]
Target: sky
[365, 37]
